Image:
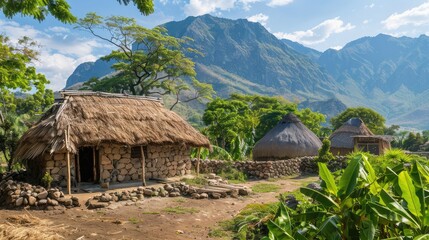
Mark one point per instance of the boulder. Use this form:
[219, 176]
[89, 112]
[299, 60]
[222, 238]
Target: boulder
[42, 195]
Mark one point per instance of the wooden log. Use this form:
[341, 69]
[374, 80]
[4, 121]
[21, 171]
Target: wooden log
[94, 169]
[143, 166]
[222, 185]
[227, 190]
[205, 190]
[198, 161]
[68, 161]
[77, 168]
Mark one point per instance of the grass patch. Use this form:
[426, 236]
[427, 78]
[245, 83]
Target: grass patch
[180, 210]
[265, 188]
[151, 213]
[233, 175]
[133, 220]
[197, 181]
[180, 200]
[219, 233]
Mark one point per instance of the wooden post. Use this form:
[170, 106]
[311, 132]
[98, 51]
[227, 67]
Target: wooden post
[198, 161]
[68, 161]
[143, 166]
[77, 168]
[94, 169]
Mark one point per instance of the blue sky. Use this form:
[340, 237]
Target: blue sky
[319, 24]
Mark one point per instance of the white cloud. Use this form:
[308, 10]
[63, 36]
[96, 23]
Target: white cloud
[60, 51]
[370, 6]
[260, 18]
[337, 47]
[276, 3]
[319, 33]
[366, 21]
[417, 16]
[200, 7]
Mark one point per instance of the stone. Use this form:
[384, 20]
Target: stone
[19, 201]
[105, 198]
[129, 166]
[147, 192]
[95, 205]
[211, 176]
[244, 191]
[53, 202]
[58, 156]
[174, 194]
[105, 174]
[195, 196]
[204, 195]
[234, 193]
[168, 187]
[50, 164]
[42, 195]
[42, 202]
[215, 195]
[120, 178]
[32, 200]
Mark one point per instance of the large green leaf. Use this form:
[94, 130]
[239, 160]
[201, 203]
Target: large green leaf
[367, 230]
[326, 201]
[418, 173]
[327, 177]
[308, 216]
[329, 229]
[422, 237]
[277, 232]
[385, 212]
[374, 187]
[391, 203]
[409, 193]
[349, 178]
[282, 218]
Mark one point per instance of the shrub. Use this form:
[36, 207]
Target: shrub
[233, 175]
[47, 180]
[325, 154]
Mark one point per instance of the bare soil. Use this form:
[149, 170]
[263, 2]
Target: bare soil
[149, 219]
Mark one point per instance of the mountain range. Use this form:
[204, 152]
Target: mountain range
[386, 73]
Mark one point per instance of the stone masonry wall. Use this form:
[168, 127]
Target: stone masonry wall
[56, 166]
[117, 165]
[270, 169]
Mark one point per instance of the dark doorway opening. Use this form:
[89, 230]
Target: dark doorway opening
[88, 164]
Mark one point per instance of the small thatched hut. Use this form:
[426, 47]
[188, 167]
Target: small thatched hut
[355, 135]
[290, 138]
[100, 137]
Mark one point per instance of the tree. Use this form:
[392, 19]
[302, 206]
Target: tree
[17, 74]
[373, 120]
[413, 142]
[147, 61]
[60, 9]
[325, 154]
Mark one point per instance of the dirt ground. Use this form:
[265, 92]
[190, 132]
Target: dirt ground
[148, 219]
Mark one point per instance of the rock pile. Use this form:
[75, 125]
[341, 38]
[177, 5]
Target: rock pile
[215, 190]
[271, 169]
[19, 194]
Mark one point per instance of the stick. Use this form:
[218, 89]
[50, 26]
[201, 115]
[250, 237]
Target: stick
[68, 162]
[198, 161]
[143, 166]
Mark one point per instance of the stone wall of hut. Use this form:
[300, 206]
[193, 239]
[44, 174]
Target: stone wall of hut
[270, 169]
[56, 166]
[118, 165]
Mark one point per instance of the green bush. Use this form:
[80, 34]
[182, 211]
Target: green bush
[47, 180]
[325, 154]
[233, 175]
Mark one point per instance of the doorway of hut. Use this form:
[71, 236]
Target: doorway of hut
[87, 164]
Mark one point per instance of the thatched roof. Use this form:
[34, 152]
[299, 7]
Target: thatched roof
[93, 118]
[288, 139]
[343, 136]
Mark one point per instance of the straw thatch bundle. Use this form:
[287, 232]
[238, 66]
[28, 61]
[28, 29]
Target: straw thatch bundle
[290, 138]
[343, 136]
[91, 118]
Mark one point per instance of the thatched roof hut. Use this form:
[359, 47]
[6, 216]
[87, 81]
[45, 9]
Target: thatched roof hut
[342, 138]
[90, 118]
[290, 138]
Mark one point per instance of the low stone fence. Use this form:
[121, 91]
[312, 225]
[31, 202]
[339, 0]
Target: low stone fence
[270, 169]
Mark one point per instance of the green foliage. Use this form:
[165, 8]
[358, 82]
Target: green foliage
[265, 187]
[148, 61]
[325, 154]
[362, 204]
[373, 120]
[60, 9]
[235, 124]
[233, 175]
[196, 181]
[47, 180]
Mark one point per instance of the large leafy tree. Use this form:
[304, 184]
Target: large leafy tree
[373, 120]
[18, 75]
[147, 61]
[235, 124]
[60, 9]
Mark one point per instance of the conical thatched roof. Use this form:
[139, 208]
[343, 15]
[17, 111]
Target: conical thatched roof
[93, 118]
[343, 136]
[288, 139]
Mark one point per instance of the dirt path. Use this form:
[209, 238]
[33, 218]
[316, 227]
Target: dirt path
[150, 218]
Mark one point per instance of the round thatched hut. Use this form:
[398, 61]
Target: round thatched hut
[354, 134]
[290, 138]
